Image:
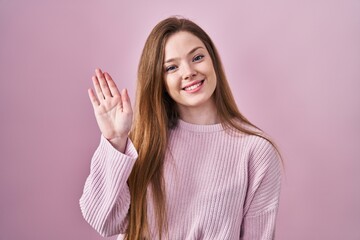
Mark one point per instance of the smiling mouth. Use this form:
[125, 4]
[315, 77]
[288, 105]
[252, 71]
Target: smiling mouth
[192, 87]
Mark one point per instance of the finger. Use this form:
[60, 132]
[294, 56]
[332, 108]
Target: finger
[103, 84]
[95, 102]
[126, 101]
[114, 91]
[97, 87]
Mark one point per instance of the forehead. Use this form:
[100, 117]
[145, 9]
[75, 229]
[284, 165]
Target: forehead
[181, 43]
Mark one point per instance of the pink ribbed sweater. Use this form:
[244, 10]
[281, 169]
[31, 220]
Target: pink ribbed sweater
[218, 186]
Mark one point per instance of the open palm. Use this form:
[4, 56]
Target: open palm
[112, 109]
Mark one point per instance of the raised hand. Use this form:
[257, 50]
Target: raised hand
[112, 109]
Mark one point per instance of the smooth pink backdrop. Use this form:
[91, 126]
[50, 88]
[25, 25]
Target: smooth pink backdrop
[294, 68]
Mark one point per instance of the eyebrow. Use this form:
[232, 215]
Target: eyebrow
[192, 51]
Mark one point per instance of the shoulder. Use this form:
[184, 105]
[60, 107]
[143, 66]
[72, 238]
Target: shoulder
[260, 145]
[263, 155]
[256, 141]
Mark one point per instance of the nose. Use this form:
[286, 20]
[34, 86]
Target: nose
[188, 72]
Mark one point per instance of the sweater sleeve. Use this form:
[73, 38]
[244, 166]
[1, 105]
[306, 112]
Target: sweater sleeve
[262, 199]
[105, 200]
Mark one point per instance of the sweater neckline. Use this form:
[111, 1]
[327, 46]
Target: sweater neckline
[200, 128]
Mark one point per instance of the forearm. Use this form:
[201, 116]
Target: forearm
[106, 198]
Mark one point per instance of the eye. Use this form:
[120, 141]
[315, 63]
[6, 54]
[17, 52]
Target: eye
[198, 58]
[170, 68]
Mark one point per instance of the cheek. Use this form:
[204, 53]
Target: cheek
[171, 83]
[167, 81]
[207, 68]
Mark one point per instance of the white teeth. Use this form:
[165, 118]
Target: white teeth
[192, 87]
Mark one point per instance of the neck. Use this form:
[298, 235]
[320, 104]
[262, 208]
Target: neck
[202, 115]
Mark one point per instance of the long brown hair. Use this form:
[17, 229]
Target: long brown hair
[156, 113]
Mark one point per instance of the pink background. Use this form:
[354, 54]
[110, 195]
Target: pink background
[294, 67]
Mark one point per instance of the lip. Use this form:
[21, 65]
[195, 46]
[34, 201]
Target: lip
[192, 83]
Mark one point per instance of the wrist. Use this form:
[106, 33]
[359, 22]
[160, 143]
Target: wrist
[119, 142]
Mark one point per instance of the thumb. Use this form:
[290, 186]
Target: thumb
[126, 101]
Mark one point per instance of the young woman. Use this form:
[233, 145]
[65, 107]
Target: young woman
[189, 166]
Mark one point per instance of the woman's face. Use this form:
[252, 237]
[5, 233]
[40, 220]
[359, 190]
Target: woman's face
[189, 74]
